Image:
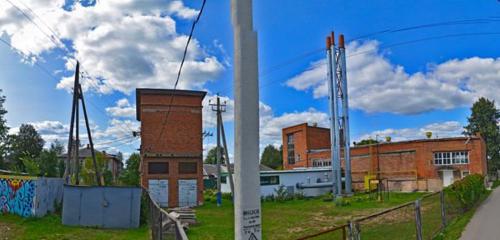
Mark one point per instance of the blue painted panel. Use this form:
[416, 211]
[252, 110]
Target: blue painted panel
[106, 207]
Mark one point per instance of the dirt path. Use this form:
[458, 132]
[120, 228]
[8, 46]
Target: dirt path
[6, 230]
[485, 224]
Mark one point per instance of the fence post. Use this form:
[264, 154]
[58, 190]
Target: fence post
[354, 231]
[443, 209]
[418, 219]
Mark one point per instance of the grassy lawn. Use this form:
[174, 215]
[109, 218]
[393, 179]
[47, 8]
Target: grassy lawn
[50, 227]
[296, 218]
[456, 226]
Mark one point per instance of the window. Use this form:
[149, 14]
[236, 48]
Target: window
[223, 179]
[451, 158]
[157, 168]
[269, 180]
[465, 173]
[291, 148]
[322, 162]
[188, 168]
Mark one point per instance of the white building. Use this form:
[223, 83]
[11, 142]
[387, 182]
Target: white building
[310, 182]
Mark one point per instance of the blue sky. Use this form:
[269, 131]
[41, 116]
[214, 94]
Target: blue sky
[425, 84]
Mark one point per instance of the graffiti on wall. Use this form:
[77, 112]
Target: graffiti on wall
[17, 195]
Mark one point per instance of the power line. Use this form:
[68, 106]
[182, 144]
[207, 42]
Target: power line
[44, 70]
[41, 20]
[180, 67]
[51, 38]
[375, 33]
[390, 46]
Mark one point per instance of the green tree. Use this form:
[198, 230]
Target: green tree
[27, 143]
[88, 170]
[212, 156]
[131, 175]
[484, 120]
[3, 131]
[272, 157]
[366, 142]
[31, 166]
[48, 163]
[58, 148]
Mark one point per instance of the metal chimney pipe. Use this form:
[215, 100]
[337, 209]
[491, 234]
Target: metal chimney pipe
[330, 55]
[336, 124]
[345, 117]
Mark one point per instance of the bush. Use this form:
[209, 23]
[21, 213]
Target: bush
[341, 202]
[468, 191]
[495, 184]
[144, 217]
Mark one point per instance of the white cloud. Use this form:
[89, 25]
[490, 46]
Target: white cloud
[377, 85]
[48, 130]
[439, 130]
[121, 44]
[122, 109]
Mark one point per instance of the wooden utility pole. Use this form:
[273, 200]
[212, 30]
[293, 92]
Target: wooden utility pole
[74, 145]
[218, 108]
[226, 155]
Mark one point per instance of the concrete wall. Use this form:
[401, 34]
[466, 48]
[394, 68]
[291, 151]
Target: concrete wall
[289, 179]
[105, 207]
[29, 196]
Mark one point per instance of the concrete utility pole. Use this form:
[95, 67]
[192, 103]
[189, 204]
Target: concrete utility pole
[247, 211]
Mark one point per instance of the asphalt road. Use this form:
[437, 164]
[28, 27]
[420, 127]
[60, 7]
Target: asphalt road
[485, 224]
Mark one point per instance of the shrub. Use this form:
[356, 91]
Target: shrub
[468, 191]
[495, 184]
[341, 202]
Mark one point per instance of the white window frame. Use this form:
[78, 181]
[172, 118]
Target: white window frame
[451, 158]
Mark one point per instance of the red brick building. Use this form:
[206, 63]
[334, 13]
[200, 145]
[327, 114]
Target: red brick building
[425, 164]
[171, 149]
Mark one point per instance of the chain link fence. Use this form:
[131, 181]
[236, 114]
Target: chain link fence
[421, 219]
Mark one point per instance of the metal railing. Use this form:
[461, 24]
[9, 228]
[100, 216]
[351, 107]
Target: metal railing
[163, 225]
[420, 219]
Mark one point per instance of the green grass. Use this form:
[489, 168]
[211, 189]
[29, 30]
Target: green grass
[291, 219]
[455, 227]
[495, 184]
[50, 227]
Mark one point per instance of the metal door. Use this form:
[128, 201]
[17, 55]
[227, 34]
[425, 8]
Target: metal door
[447, 177]
[188, 193]
[159, 191]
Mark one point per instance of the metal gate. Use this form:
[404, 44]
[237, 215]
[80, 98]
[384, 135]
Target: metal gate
[187, 193]
[159, 191]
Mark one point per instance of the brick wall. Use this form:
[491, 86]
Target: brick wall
[407, 160]
[179, 141]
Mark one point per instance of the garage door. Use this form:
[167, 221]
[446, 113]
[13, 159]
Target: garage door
[187, 193]
[158, 189]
